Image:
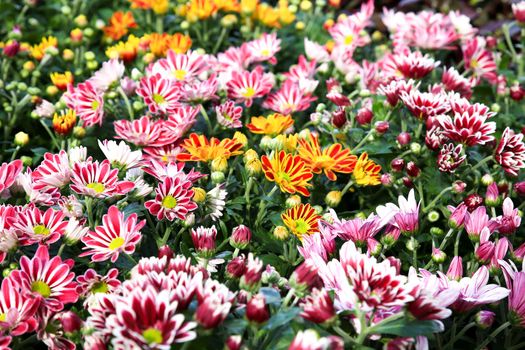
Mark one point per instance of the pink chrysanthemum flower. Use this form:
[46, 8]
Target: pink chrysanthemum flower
[91, 282]
[395, 88]
[162, 95]
[515, 281]
[468, 127]
[39, 196]
[479, 60]
[87, 102]
[180, 67]
[8, 173]
[450, 158]
[199, 91]
[454, 81]
[510, 153]
[264, 48]
[48, 279]
[165, 154]
[408, 64]
[109, 74]
[180, 121]
[143, 132]
[120, 154]
[509, 222]
[245, 86]
[424, 105]
[161, 171]
[173, 199]
[116, 235]
[229, 115]
[290, 98]
[204, 238]
[53, 172]
[17, 309]
[35, 226]
[98, 180]
[405, 216]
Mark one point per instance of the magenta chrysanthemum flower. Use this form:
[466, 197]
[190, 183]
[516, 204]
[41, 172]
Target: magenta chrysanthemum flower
[160, 94]
[87, 102]
[173, 199]
[8, 173]
[318, 307]
[479, 60]
[510, 153]
[204, 239]
[17, 309]
[424, 105]
[48, 279]
[408, 64]
[395, 88]
[229, 115]
[92, 283]
[35, 226]
[179, 121]
[245, 86]
[143, 132]
[53, 172]
[450, 158]
[264, 48]
[98, 180]
[180, 67]
[515, 281]
[116, 235]
[290, 98]
[454, 81]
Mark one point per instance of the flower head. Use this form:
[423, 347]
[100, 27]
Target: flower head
[510, 153]
[200, 149]
[272, 125]
[366, 172]
[98, 180]
[289, 172]
[301, 220]
[173, 199]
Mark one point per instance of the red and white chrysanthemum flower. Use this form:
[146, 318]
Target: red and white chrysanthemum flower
[395, 88]
[198, 91]
[109, 74]
[120, 154]
[349, 34]
[98, 180]
[315, 51]
[48, 279]
[35, 226]
[143, 132]
[264, 48]
[404, 216]
[141, 187]
[234, 58]
[91, 282]
[290, 98]
[215, 301]
[450, 157]
[479, 60]
[75, 230]
[454, 81]
[165, 154]
[173, 199]
[53, 172]
[161, 171]
[148, 319]
[17, 309]
[423, 105]
[469, 125]
[40, 196]
[8, 238]
[71, 206]
[245, 86]
[229, 115]
[510, 153]
[162, 95]
[8, 173]
[180, 121]
[180, 67]
[518, 10]
[408, 64]
[87, 102]
[116, 235]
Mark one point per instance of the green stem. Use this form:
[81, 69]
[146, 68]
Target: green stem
[165, 237]
[221, 39]
[363, 140]
[459, 335]
[247, 195]
[347, 186]
[288, 297]
[61, 249]
[50, 133]
[207, 119]
[445, 240]
[126, 101]
[480, 163]
[13, 156]
[159, 24]
[434, 201]
[262, 206]
[343, 334]
[89, 209]
[456, 245]
[493, 335]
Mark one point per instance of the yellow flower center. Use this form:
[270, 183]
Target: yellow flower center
[100, 287]
[3, 317]
[158, 99]
[281, 175]
[180, 74]
[265, 52]
[41, 288]
[116, 243]
[169, 202]
[474, 63]
[94, 105]
[41, 230]
[324, 161]
[349, 39]
[249, 92]
[96, 186]
[301, 226]
[152, 336]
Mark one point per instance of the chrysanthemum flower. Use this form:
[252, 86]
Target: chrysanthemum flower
[245, 86]
[515, 281]
[165, 154]
[450, 158]
[116, 235]
[91, 282]
[404, 216]
[395, 88]
[181, 67]
[17, 309]
[160, 94]
[229, 115]
[119, 25]
[143, 132]
[64, 122]
[61, 80]
[272, 125]
[98, 180]
[510, 153]
[125, 50]
[49, 279]
[120, 154]
[318, 307]
[110, 74]
[87, 102]
[408, 64]
[8, 173]
[8, 237]
[366, 172]
[518, 9]
[289, 172]
[454, 81]
[38, 51]
[179, 121]
[173, 199]
[301, 220]
[199, 148]
[288, 99]
[331, 160]
[204, 239]
[264, 48]
[35, 226]
[424, 105]
[468, 126]
[479, 60]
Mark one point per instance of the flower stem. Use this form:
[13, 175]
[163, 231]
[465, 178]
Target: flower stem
[220, 40]
[480, 163]
[207, 119]
[288, 297]
[493, 335]
[126, 101]
[262, 207]
[434, 201]
[363, 140]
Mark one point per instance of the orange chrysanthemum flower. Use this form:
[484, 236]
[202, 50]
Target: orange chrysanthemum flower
[159, 44]
[126, 51]
[38, 51]
[331, 160]
[63, 123]
[119, 25]
[198, 10]
[199, 148]
[267, 15]
[158, 6]
[61, 80]
[366, 172]
[273, 125]
[289, 172]
[301, 220]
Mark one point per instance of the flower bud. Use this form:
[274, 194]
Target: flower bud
[241, 236]
[236, 267]
[76, 35]
[455, 270]
[339, 118]
[438, 256]
[217, 177]
[165, 251]
[459, 186]
[433, 216]
[233, 342]
[403, 138]
[473, 201]
[228, 21]
[436, 231]
[412, 169]
[333, 198]
[485, 319]
[204, 240]
[519, 187]
[381, 127]
[407, 182]
[70, 321]
[241, 138]
[256, 309]
[81, 21]
[492, 197]
[189, 221]
[364, 116]
[487, 179]
[387, 179]
[293, 201]
[79, 132]
[415, 148]
[397, 164]
[64, 122]
[27, 161]
[21, 139]
[281, 233]
[219, 164]
[199, 195]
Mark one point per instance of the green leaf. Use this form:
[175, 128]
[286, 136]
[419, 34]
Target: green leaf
[271, 295]
[282, 318]
[405, 328]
